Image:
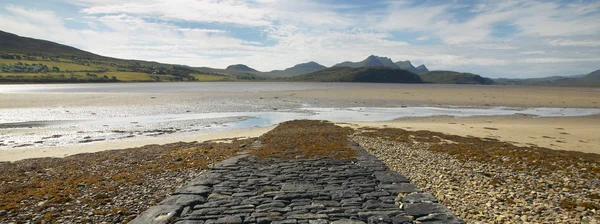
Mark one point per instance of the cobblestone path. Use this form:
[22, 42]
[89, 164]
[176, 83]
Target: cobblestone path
[245, 189]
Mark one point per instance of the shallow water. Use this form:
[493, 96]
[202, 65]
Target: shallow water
[179, 87]
[80, 126]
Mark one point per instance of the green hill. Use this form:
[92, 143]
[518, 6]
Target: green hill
[363, 74]
[451, 77]
[24, 59]
[300, 69]
[240, 67]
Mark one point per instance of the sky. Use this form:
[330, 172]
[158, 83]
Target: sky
[508, 38]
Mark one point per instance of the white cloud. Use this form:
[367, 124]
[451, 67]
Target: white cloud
[582, 43]
[301, 31]
[532, 52]
[225, 11]
[559, 60]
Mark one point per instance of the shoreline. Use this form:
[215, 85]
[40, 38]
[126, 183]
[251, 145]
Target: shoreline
[577, 132]
[64, 151]
[557, 133]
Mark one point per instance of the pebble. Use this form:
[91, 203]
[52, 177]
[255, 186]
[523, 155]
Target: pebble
[463, 187]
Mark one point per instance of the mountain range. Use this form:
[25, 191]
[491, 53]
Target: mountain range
[375, 61]
[24, 59]
[380, 74]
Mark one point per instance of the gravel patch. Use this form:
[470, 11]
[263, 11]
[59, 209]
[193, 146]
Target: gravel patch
[487, 192]
[105, 187]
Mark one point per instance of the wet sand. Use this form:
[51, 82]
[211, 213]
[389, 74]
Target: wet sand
[62, 151]
[566, 133]
[459, 95]
[570, 133]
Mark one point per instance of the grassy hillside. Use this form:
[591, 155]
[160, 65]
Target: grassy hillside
[25, 59]
[364, 74]
[451, 77]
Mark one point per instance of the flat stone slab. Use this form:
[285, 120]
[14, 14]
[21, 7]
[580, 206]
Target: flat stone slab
[160, 214]
[183, 200]
[245, 189]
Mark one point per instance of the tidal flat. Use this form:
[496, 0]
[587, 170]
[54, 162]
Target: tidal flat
[59, 116]
[91, 129]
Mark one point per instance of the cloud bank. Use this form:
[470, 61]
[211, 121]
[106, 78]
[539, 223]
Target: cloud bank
[516, 38]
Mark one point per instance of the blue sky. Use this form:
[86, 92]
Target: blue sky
[512, 38]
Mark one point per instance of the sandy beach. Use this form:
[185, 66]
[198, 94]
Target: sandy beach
[561, 133]
[404, 94]
[571, 133]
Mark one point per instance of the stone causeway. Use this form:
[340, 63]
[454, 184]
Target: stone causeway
[246, 189]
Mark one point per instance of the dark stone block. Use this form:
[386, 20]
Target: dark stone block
[234, 219]
[160, 214]
[197, 190]
[419, 198]
[390, 177]
[423, 209]
[183, 200]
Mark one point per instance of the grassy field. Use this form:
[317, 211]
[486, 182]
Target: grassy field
[211, 78]
[121, 76]
[122, 71]
[62, 65]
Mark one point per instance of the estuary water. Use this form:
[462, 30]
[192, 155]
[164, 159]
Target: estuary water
[47, 126]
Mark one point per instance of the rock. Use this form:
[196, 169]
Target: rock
[318, 221]
[367, 214]
[308, 216]
[389, 177]
[423, 209]
[378, 219]
[229, 220]
[400, 219]
[191, 189]
[348, 221]
[183, 200]
[286, 221]
[217, 196]
[158, 214]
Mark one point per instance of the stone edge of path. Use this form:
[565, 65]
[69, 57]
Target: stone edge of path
[415, 203]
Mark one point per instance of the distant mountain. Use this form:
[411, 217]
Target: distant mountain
[451, 77]
[371, 61]
[590, 80]
[406, 65]
[301, 69]
[529, 82]
[241, 67]
[421, 69]
[586, 80]
[375, 61]
[363, 74]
